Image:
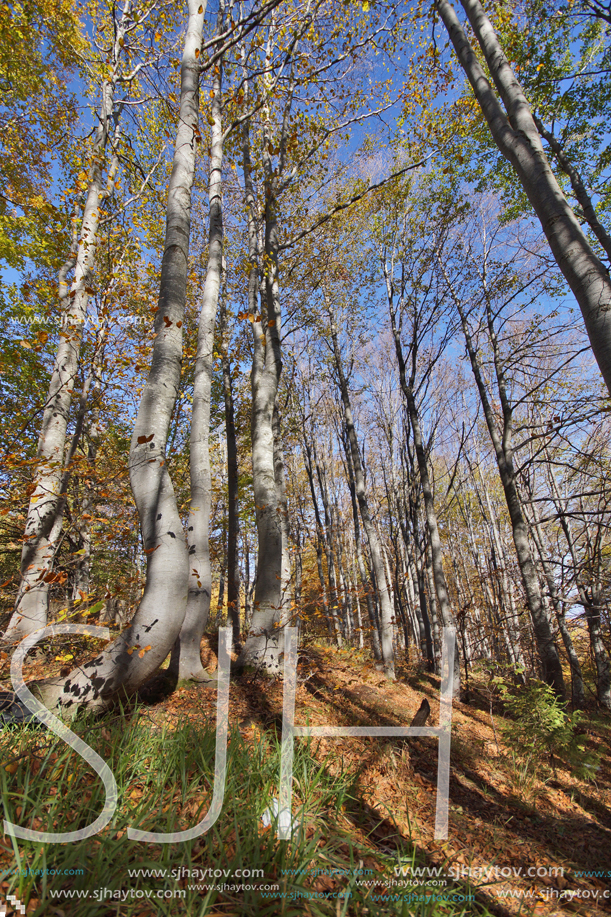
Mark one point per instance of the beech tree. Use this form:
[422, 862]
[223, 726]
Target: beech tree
[364, 406]
[414, 301]
[140, 649]
[501, 435]
[45, 512]
[515, 132]
[186, 661]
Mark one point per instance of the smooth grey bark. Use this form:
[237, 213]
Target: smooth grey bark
[411, 544]
[298, 541]
[484, 637]
[82, 573]
[140, 649]
[332, 620]
[577, 687]
[509, 620]
[263, 644]
[44, 522]
[590, 600]
[432, 596]
[578, 186]
[355, 589]
[386, 610]
[503, 450]
[347, 607]
[358, 544]
[280, 478]
[439, 579]
[592, 607]
[393, 533]
[186, 662]
[515, 133]
[329, 546]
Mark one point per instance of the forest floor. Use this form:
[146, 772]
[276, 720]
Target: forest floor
[504, 821]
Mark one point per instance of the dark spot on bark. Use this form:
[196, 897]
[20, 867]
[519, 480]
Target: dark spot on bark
[172, 535]
[152, 445]
[150, 626]
[190, 528]
[159, 517]
[192, 549]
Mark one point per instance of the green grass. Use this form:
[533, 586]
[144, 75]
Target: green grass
[165, 779]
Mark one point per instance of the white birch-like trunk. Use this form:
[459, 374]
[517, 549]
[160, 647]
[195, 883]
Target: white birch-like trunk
[140, 649]
[264, 643]
[517, 137]
[386, 609]
[280, 477]
[503, 450]
[44, 522]
[186, 659]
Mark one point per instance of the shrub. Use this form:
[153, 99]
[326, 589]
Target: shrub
[541, 729]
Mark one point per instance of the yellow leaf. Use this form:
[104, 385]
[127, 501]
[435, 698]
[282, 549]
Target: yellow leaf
[11, 768]
[26, 345]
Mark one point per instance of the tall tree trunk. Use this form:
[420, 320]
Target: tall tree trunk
[424, 635]
[82, 574]
[263, 644]
[546, 645]
[140, 649]
[577, 686]
[44, 522]
[355, 588]
[601, 658]
[579, 189]
[509, 617]
[186, 659]
[386, 610]
[590, 601]
[280, 478]
[516, 135]
[358, 545]
[329, 548]
[331, 616]
[298, 541]
[439, 579]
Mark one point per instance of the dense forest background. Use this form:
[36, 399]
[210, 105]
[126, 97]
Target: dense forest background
[284, 274]
[305, 321]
